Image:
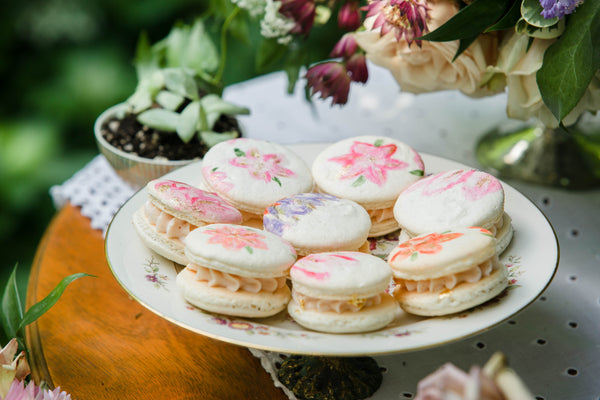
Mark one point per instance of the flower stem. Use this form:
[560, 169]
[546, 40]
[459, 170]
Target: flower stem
[224, 29]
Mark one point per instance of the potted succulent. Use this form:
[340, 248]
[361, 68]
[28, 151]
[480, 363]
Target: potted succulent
[176, 112]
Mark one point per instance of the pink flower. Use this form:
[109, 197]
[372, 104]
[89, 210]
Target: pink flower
[234, 237]
[18, 391]
[11, 368]
[266, 167]
[302, 12]
[217, 179]
[369, 161]
[331, 79]
[407, 18]
[349, 17]
[429, 244]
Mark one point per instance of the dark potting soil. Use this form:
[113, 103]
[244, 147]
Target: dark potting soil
[129, 135]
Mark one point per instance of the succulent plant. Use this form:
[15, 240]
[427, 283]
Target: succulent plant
[179, 88]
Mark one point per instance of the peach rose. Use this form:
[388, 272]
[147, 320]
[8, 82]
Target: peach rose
[518, 63]
[430, 68]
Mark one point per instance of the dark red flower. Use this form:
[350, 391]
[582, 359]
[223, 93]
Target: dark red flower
[302, 12]
[345, 47]
[331, 79]
[349, 17]
[357, 68]
[406, 18]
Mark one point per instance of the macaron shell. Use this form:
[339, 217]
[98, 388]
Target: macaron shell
[438, 254]
[449, 199]
[252, 174]
[190, 203]
[317, 222]
[371, 170]
[223, 301]
[340, 275]
[368, 319]
[240, 250]
[460, 298]
[168, 248]
[504, 234]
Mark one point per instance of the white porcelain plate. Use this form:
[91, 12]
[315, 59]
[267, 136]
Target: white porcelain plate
[532, 259]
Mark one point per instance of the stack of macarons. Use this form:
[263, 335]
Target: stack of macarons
[451, 199]
[264, 232]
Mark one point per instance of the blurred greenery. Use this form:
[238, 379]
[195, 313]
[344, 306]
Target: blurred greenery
[62, 63]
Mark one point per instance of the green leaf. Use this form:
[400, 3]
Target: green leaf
[417, 172]
[211, 138]
[169, 100]
[239, 152]
[276, 179]
[509, 19]
[549, 32]
[200, 53]
[359, 181]
[378, 143]
[470, 21]
[249, 249]
[188, 121]
[12, 307]
[531, 11]
[269, 53]
[214, 106]
[144, 60]
[571, 62]
[160, 119]
[39, 308]
[182, 82]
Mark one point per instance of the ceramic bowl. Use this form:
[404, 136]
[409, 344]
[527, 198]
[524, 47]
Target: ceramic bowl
[135, 170]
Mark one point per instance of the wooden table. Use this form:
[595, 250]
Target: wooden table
[98, 343]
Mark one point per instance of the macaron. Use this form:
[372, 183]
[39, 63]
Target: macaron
[370, 170]
[173, 209]
[252, 174]
[342, 292]
[448, 271]
[455, 198]
[236, 270]
[319, 222]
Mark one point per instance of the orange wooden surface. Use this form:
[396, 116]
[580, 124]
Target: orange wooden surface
[98, 343]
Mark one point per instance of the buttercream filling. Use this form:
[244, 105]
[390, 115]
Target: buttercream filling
[381, 215]
[339, 306]
[448, 281]
[497, 225]
[236, 283]
[172, 227]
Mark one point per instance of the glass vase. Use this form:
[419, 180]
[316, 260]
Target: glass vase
[567, 157]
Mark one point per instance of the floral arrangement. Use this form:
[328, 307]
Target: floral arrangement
[544, 53]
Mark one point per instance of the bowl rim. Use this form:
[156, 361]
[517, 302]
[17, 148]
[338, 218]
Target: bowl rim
[111, 111]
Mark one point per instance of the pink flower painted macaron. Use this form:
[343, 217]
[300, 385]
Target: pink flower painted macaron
[451, 199]
[236, 270]
[370, 170]
[342, 292]
[447, 272]
[319, 222]
[173, 209]
[252, 174]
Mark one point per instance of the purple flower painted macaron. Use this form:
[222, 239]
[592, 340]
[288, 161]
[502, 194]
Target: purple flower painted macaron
[319, 222]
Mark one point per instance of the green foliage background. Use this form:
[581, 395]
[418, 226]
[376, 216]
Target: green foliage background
[62, 62]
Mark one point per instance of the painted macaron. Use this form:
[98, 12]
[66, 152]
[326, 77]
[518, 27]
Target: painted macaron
[455, 198]
[370, 170]
[236, 270]
[342, 292]
[446, 272]
[319, 222]
[173, 209]
[252, 174]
